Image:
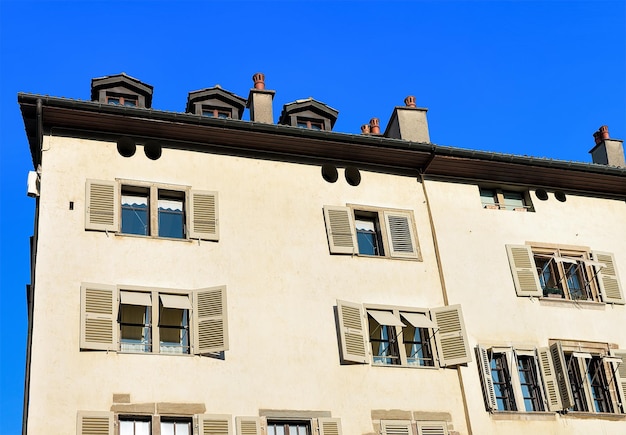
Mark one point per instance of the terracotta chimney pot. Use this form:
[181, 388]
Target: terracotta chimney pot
[259, 81]
[604, 132]
[410, 101]
[596, 137]
[375, 126]
[365, 129]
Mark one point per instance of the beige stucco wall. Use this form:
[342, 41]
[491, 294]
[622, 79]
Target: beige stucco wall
[282, 285]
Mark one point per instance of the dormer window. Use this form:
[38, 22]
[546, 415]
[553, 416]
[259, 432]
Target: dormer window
[309, 114]
[121, 90]
[311, 124]
[215, 102]
[216, 112]
[121, 100]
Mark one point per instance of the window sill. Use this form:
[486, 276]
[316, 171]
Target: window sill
[387, 257]
[595, 415]
[399, 366]
[523, 415]
[139, 236]
[548, 301]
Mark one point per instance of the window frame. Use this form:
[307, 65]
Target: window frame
[216, 111]
[122, 98]
[308, 123]
[499, 194]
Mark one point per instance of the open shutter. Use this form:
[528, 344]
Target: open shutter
[524, 270]
[98, 322]
[209, 424]
[608, 279]
[211, 323]
[352, 332]
[102, 206]
[340, 230]
[562, 379]
[248, 425]
[484, 364]
[203, 212]
[550, 383]
[94, 423]
[451, 336]
[329, 426]
[620, 377]
[402, 240]
[432, 428]
[396, 427]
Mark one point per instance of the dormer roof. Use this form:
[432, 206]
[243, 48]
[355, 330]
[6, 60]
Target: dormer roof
[122, 84]
[308, 109]
[215, 97]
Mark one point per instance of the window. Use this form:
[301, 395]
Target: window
[372, 232]
[151, 210]
[121, 100]
[510, 379]
[288, 428]
[133, 426]
[565, 272]
[216, 112]
[311, 124]
[162, 321]
[498, 199]
[175, 427]
[406, 427]
[400, 336]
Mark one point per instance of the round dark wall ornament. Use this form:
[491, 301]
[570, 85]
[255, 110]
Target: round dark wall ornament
[152, 150]
[541, 194]
[353, 176]
[560, 196]
[126, 146]
[329, 172]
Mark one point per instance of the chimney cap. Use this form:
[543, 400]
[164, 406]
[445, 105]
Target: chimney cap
[410, 101]
[259, 80]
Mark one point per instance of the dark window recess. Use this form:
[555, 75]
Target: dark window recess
[529, 381]
[502, 383]
[216, 112]
[368, 233]
[121, 100]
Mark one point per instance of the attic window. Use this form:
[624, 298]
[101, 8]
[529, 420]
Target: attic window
[121, 100]
[216, 112]
[311, 124]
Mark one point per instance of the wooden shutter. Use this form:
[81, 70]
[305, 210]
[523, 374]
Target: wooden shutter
[562, 377]
[329, 426]
[94, 423]
[620, 378]
[210, 320]
[550, 383]
[102, 206]
[451, 336]
[524, 270]
[98, 323]
[248, 425]
[203, 211]
[484, 365]
[209, 424]
[396, 427]
[402, 240]
[340, 230]
[432, 428]
[608, 279]
[352, 332]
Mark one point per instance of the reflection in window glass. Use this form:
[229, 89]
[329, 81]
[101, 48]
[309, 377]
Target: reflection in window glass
[383, 343]
[171, 215]
[513, 200]
[135, 328]
[488, 197]
[175, 428]
[368, 235]
[502, 383]
[529, 382]
[135, 217]
[417, 346]
[134, 427]
[174, 330]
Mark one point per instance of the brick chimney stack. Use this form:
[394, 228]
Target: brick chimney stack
[607, 151]
[260, 101]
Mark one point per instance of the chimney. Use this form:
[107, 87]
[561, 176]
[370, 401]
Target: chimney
[375, 126]
[365, 129]
[260, 101]
[408, 122]
[607, 151]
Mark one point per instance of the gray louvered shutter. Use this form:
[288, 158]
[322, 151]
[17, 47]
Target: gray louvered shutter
[102, 207]
[210, 320]
[352, 332]
[340, 230]
[550, 383]
[329, 426]
[562, 378]
[451, 336]
[94, 423]
[211, 424]
[432, 428]
[524, 270]
[396, 427]
[402, 240]
[98, 324]
[610, 285]
[620, 377]
[204, 215]
[484, 365]
[248, 425]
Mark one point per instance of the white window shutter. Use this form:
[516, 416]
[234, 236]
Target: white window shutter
[248, 425]
[352, 332]
[451, 336]
[562, 378]
[98, 323]
[524, 270]
[94, 423]
[340, 230]
[432, 428]
[402, 240]
[396, 427]
[329, 426]
[620, 377]
[102, 206]
[210, 320]
[610, 285]
[203, 215]
[550, 383]
[484, 364]
[211, 424]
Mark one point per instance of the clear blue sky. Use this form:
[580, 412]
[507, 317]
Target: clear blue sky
[523, 77]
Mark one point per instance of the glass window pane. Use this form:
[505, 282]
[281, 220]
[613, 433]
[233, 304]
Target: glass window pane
[130, 102]
[487, 197]
[135, 214]
[127, 428]
[513, 200]
[167, 428]
[142, 428]
[171, 217]
[134, 328]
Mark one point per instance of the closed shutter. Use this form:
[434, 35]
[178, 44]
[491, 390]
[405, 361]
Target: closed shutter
[620, 378]
[98, 323]
[203, 211]
[402, 240]
[248, 425]
[432, 428]
[550, 384]
[209, 424]
[210, 320]
[524, 270]
[102, 206]
[340, 230]
[396, 427]
[451, 336]
[329, 426]
[562, 378]
[484, 364]
[610, 285]
[94, 423]
[352, 332]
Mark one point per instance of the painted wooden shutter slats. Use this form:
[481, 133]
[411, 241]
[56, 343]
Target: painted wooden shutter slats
[340, 230]
[484, 364]
[211, 321]
[524, 270]
[352, 332]
[562, 378]
[204, 212]
[550, 382]
[608, 279]
[451, 336]
[432, 428]
[620, 376]
[98, 317]
[329, 426]
[396, 427]
[94, 423]
[402, 241]
[248, 425]
[209, 424]
[101, 206]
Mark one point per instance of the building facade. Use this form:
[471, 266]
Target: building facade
[194, 273]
